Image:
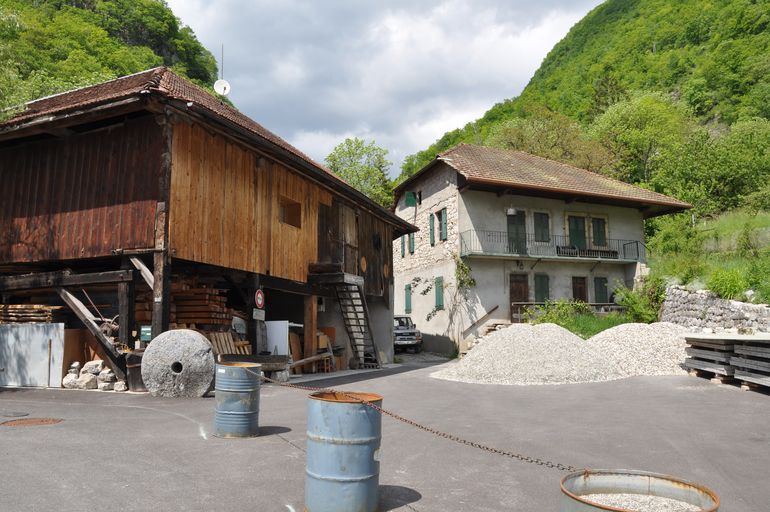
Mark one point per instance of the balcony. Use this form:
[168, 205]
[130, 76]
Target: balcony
[501, 244]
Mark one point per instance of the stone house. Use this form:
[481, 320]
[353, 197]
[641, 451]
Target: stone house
[528, 230]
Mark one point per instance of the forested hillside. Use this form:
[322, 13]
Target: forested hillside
[684, 71]
[47, 46]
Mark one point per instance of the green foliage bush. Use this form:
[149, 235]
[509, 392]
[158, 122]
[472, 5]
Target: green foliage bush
[758, 277]
[577, 317]
[643, 305]
[728, 283]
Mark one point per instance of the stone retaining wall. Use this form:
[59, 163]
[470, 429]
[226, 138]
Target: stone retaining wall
[704, 310]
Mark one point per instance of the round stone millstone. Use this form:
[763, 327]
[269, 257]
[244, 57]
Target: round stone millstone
[178, 363]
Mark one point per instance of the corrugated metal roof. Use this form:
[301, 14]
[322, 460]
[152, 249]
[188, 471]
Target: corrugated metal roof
[520, 170]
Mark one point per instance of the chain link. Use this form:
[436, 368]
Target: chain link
[439, 433]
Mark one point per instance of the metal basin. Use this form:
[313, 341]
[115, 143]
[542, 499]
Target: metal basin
[575, 487]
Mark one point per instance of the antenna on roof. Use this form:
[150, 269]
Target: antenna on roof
[222, 86]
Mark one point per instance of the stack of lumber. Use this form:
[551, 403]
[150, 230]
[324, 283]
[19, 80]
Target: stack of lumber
[27, 313]
[711, 353]
[192, 306]
[752, 360]
[225, 343]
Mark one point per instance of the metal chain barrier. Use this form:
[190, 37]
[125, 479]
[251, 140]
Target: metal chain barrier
[439, 433]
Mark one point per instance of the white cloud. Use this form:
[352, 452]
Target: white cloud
[400, 72]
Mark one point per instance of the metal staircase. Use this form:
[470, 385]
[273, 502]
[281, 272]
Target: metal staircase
[349, 289]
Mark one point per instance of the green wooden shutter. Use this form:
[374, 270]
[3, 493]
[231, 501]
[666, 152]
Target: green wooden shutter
[542, 232]
[403, 246]
[439, 286]
[443, 223]
[410, 199]
[599, 231]
[600, 290]
[411, 243]
[408, 299]
[432, 223]
[542, 293]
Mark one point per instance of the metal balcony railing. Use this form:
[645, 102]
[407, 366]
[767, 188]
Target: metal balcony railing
[500, 243]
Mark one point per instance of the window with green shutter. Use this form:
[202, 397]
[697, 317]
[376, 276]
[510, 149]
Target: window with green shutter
[408, 299]
[599, 230]
[439, 286]
[403, 246]
[600, 290]
[542, 227]
[410, 199]
[431, 223]
[542, 285]
[442, 224]
[411, 243]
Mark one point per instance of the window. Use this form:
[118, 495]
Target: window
[432, 224]
[599, 230]
[600, 290]
[438, 284]
[577, 231]
[410, 199]
[403, 246]
[542, 285]
[542, 227]
[579, 289]
[442, 224]
[289, 212]
[411, 243]
[408, 299]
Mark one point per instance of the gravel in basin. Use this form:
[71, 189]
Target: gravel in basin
[524, 354]
[641, 503]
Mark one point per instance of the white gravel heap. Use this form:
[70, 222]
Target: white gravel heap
[524, 354]
[641, 502]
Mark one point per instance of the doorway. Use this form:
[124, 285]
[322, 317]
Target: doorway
[577, 231]
[519, 296]
[579, 289]
[517, 233]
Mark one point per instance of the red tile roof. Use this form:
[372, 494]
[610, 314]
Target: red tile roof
[519, 170]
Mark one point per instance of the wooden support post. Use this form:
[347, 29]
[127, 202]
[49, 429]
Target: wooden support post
[126, 310]
[161, 303]
[311, 326]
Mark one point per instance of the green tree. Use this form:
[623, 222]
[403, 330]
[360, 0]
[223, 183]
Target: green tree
[551, 135]
[364, 166]
[638, 130]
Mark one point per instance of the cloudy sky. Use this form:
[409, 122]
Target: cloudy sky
[400, 72]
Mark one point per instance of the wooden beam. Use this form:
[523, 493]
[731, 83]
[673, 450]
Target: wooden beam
[145, 272]
[311, 359]
[297, 287]
[311, 326]
[64, 279]
[104, 347]
[126, 312]
[161, 303]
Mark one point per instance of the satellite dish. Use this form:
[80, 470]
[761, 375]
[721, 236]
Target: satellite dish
[222, 87]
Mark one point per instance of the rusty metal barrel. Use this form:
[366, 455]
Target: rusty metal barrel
[236, 389]
[577, 488]
[343, 452]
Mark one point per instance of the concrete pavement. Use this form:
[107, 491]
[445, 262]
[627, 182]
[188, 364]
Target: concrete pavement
[138, 453]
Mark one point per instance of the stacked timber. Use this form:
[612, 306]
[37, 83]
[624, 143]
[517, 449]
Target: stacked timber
[27, 313]
[191, 305]
[752, 360]
[710, 354]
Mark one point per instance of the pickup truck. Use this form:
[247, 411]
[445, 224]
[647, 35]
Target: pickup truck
[405, 334]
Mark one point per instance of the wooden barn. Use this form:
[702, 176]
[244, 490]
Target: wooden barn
[145, 203]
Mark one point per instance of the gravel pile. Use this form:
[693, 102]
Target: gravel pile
[641, 503]
[524, 354]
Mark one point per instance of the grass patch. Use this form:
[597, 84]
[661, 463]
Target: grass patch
[576, 317]
[587, 325]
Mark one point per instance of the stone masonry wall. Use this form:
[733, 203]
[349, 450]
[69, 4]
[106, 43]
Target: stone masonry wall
[704, 310]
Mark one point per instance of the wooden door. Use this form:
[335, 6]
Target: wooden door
[577, 231]
[350, 239]
[517, 233]
[519, 292]
[579, 289]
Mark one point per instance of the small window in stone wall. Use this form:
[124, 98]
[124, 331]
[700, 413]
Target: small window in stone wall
[442, 235]
[289, 212]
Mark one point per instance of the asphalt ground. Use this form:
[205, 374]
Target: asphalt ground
[132, 452]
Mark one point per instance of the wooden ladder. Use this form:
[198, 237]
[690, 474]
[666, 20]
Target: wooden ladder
[355, 315]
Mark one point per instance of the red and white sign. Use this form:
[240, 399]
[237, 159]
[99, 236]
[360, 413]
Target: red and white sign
[259, 299]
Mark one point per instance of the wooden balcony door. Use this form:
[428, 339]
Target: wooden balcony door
[579, 289]
[577, 231]
[519, 292]
[517, 233]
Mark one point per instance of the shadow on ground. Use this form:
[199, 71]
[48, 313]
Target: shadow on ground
[396, 496]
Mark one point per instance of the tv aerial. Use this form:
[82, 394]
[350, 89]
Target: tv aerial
[222, 86]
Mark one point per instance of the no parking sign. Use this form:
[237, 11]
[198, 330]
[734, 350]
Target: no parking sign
[259, 299]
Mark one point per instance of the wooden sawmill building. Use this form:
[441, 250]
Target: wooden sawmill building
[145, 203]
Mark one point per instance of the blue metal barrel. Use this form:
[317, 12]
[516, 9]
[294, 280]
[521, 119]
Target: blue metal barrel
[343, 452]
[237, 395]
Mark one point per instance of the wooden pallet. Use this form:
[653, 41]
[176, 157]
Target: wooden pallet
[713, 377]
[709, 366]
[224, 343]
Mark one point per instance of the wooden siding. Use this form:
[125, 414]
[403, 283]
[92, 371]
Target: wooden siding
[225, 204]
[80, 196]
[375, 242]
